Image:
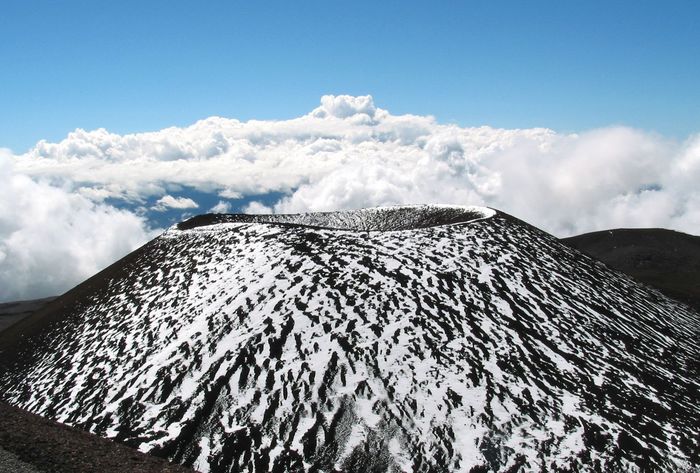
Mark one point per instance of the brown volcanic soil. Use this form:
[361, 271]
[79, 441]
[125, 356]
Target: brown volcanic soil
[664, 259]
[53, 447]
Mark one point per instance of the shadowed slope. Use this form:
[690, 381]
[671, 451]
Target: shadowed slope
[51, 447]
[12, 312]
[665, 259]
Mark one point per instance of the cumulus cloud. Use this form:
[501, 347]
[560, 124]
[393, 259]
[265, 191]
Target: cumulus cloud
[169, 202]
[52, 238]
[256, 207]
[222, 207]
[349, 153]
[345, 106]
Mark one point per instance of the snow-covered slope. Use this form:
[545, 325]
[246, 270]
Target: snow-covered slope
[395, 339]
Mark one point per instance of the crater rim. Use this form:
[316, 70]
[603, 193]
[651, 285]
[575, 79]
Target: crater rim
[370, 219]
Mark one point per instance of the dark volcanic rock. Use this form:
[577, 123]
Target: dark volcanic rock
[11, 312]
[340, 342]
[54, 448]
[665, 259]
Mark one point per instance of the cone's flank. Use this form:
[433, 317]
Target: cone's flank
[415, 338]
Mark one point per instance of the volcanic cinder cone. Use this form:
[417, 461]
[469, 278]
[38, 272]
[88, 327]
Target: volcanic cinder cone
[421, 338]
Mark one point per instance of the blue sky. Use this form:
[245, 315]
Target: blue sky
[136, 66]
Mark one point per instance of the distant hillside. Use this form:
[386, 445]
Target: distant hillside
[665, 259]
[11, 312]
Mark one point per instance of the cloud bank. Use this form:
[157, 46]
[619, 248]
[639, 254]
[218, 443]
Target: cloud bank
[348, 153]
[51, 238]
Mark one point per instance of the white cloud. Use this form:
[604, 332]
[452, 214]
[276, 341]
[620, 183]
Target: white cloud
[169, 202]
[346, 106]
[349, 153]
[230, 194]
[222, 207]
[52, 238]
[256, 207]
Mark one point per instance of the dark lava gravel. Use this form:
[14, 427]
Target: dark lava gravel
[47, 446]
[9, 463]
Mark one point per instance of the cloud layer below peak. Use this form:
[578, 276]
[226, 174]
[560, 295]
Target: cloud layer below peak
[348, 153]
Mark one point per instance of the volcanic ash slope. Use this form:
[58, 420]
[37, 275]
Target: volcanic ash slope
[396, 339]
